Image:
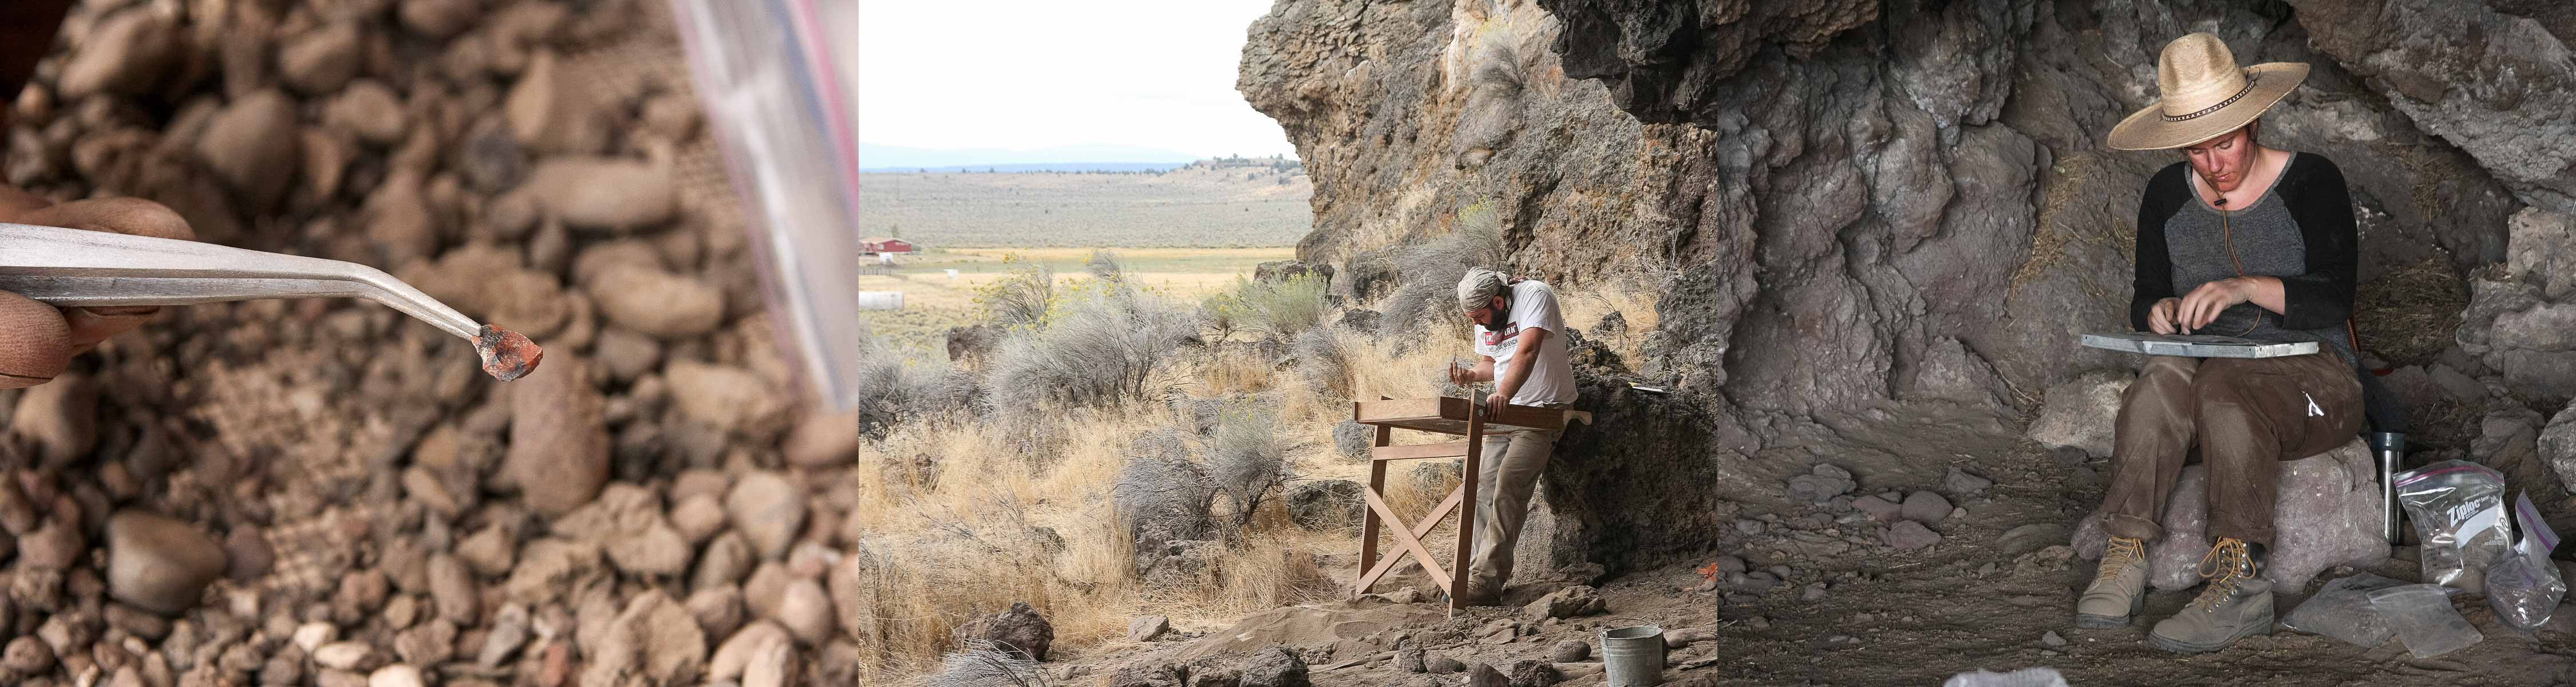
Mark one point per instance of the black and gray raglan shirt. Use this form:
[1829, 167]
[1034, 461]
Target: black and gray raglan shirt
[2300, 231]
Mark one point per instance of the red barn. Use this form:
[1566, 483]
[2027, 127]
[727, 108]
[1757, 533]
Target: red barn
[884, 245]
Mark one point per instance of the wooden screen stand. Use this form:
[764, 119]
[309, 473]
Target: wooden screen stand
[1453, 416]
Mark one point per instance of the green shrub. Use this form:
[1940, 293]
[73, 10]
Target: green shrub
[1277, 309]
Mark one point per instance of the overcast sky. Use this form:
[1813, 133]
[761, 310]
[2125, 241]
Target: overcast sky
[1027, 74]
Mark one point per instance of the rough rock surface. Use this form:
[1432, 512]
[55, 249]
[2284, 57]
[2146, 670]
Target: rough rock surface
[2327, 514]
[1565, 603]
[1018, 630]
[1274, 666]
[1324, 504]
[2080, 412]
[1879, 224]
[2557, 445]
[2521, 319]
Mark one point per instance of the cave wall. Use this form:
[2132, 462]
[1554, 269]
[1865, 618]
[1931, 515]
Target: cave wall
[1874, 227]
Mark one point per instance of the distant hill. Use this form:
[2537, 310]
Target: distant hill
[885, 158]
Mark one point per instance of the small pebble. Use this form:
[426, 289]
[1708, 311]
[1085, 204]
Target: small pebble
[2052, 639]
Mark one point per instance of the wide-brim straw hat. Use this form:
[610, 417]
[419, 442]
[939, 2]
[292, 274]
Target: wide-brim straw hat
[2205, 95]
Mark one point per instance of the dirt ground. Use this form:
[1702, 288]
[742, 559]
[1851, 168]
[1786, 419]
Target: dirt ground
[1910, 619]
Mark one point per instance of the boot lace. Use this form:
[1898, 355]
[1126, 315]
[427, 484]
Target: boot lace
[2226, 565]
[2117, 556]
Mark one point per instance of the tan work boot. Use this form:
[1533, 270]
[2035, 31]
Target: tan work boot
[2119, 587]
[2237, 604]
[1479, 594]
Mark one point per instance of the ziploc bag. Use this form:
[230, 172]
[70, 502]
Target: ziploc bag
[2458, 511]
[2525, 587]
[2341, 610]
[2424, 619]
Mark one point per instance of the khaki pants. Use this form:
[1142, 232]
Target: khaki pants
[1508, 474]
[2246, 415]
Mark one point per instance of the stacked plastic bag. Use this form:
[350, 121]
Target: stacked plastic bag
[2468, 547]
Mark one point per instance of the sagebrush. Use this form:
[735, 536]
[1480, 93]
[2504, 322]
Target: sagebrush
[1096, 346]
[1279, 309]
[1427, 274]
[1021, 297]
[1246, 458]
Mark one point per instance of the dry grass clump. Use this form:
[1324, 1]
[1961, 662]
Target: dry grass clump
[1321, 362]
[894, 386]
[1632, 299]
[1427, 274]
[2410, 314]
[983, 663]
[1161, 495]
[1036, 517]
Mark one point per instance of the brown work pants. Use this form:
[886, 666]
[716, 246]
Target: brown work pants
[2246, 415]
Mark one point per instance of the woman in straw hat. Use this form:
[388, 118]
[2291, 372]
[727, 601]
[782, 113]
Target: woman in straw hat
[2235, 240]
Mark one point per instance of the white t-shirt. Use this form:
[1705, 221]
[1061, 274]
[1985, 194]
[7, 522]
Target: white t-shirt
[1551, 378]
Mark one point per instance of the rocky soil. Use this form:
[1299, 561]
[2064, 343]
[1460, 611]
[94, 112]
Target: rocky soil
[329, 493]
[1822, 595]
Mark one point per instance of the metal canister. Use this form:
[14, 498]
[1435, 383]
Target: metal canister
[1633, 656]
[2389, 449]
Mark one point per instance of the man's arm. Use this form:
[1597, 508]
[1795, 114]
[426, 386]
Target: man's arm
[1483, 371]
[1524, 356]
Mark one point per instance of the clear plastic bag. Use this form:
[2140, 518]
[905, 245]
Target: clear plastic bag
[2341, 610]
[771, 75]
[2458, 511]
[2422, 616]
[2524, 588]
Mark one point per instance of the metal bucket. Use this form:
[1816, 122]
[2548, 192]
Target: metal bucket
[1633, 656]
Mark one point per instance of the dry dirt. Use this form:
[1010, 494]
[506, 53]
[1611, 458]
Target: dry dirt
[1891, 619]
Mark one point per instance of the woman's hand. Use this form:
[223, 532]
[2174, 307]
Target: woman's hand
[2202, 305]
[2160, 317]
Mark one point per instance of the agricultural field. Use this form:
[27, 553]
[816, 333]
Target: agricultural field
[933, 301]
[1231, 203]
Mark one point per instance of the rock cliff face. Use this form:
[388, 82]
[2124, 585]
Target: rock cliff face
[1874, 227]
